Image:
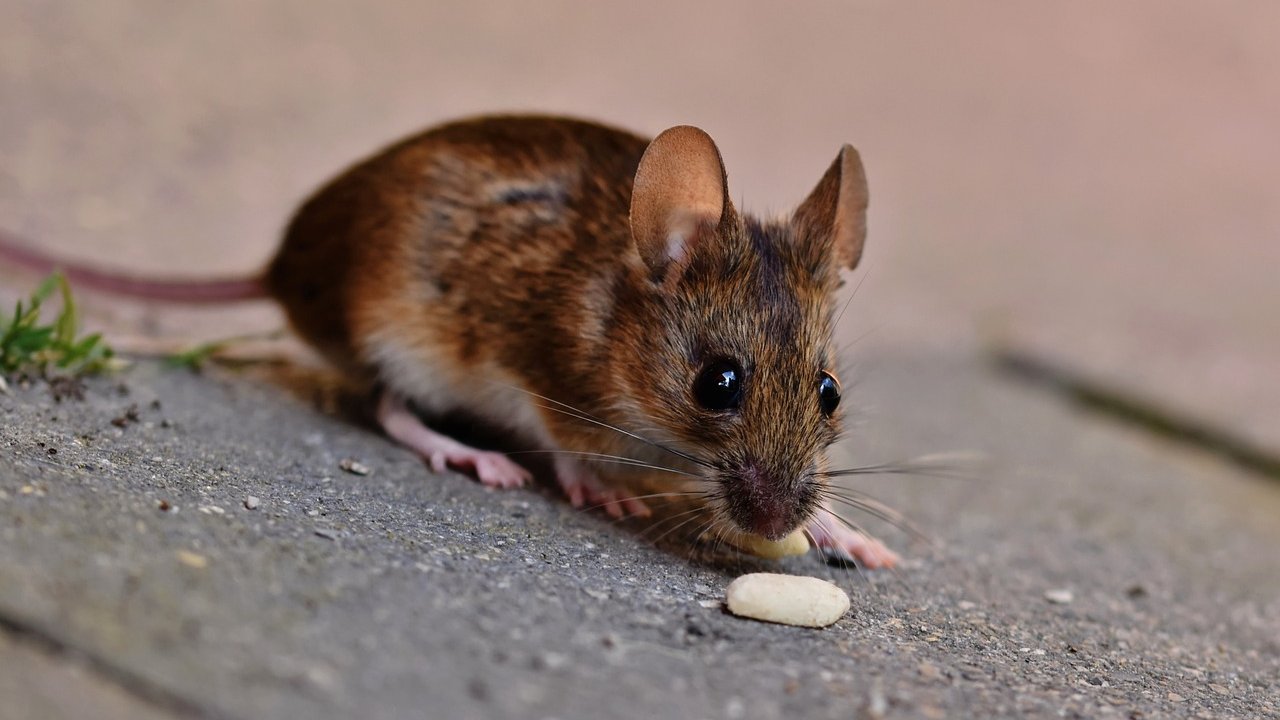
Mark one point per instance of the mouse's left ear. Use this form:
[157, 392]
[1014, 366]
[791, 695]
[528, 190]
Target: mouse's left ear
[679, 196]
[834, 216]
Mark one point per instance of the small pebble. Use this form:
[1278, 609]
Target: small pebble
[190, 559]
[1059, 597]
[787, 599]
[352, 466]
[252, 503]
[877, 704]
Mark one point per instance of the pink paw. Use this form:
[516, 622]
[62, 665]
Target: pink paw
[833, 537]
[584, 487]
[490, 468]
[442, 452]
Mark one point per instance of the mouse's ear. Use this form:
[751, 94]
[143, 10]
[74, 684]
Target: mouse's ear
[679, 193]
[834, 216]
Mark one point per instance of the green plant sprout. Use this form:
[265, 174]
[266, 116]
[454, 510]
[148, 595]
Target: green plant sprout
[195, 357]
[29, 346]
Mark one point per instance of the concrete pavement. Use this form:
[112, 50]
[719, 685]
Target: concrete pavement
[402, 594]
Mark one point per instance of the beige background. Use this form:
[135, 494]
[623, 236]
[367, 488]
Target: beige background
[1097, 181]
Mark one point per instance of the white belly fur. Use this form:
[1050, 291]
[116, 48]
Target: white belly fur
[437, 384]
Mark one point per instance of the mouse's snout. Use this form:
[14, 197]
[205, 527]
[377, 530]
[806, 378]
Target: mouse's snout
[762, 502]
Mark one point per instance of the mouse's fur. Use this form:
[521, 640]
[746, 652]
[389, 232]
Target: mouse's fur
[502, 265]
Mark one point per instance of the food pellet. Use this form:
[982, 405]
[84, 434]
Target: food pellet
[787, 599]
[794, 544]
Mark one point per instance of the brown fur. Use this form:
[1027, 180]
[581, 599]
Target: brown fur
[500, 251]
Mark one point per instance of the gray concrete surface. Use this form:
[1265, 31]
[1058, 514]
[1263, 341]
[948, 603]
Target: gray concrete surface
[402, 594]
[37, 681]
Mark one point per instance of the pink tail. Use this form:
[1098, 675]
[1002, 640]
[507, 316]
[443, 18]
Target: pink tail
[194, 292]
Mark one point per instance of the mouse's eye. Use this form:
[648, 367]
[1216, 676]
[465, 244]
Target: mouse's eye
[719, 386]
[828, 394]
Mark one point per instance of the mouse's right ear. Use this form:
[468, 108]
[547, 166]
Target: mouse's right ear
[679, 193]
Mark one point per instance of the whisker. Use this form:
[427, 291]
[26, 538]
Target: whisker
[663, 521]
[604, 457]
[939, 465]
[719, 530]
[697, 508]
[852, 295]
[670, 493]
[573, 412]
[720, 534]
[830, 554]
[677, 527]
[846, 347]
[877, 509]
[619, 501]
[858, 529]
[813, 543]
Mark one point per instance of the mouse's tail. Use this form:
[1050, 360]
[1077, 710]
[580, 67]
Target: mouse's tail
[174, 290]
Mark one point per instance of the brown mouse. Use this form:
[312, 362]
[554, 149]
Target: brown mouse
[599, 296]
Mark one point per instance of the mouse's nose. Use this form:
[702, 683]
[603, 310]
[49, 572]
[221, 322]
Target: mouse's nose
[771, 524]
[761, 504]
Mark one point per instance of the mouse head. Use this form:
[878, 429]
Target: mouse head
[731, 325]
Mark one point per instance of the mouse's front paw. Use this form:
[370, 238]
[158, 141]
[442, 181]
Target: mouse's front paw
[443, 452]
[490, 468]
[585, 488]
[834, 538]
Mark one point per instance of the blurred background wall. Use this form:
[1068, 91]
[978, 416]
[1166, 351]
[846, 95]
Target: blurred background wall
[1095, 182]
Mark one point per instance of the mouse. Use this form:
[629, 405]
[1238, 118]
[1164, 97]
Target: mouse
[596, 294]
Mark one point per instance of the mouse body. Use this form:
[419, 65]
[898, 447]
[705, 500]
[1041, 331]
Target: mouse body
[597, 294]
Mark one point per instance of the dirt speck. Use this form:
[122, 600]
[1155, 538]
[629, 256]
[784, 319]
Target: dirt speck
[127, 418]
[66, 388]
